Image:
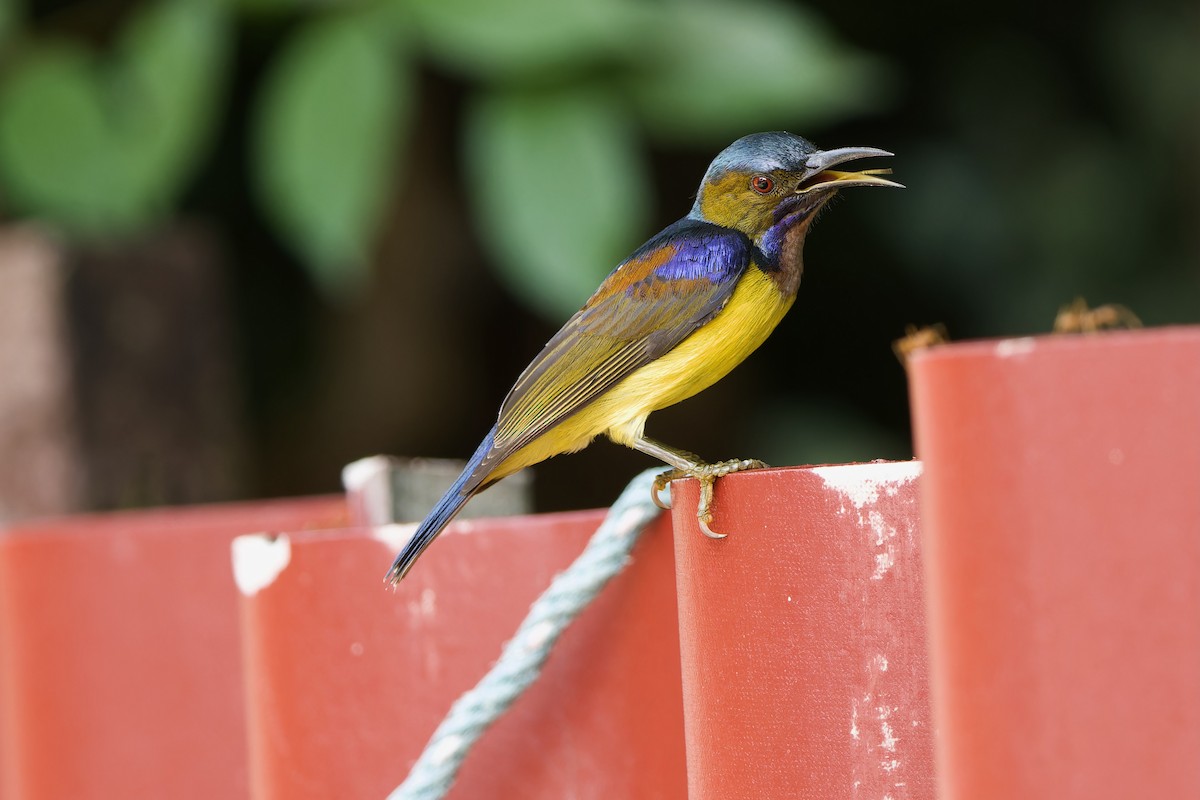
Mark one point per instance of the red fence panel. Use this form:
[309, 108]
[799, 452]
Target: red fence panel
[803, 636]
[1062, 519]
[120, 672]
[346, 680]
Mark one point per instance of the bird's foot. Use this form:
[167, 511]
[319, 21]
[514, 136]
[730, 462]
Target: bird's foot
[707, 475]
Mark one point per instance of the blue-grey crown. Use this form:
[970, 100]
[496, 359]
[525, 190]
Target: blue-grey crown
[762, 152]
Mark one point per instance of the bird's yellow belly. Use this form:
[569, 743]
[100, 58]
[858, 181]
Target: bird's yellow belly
[696, 363]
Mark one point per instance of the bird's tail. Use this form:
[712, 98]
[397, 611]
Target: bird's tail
[463, 489]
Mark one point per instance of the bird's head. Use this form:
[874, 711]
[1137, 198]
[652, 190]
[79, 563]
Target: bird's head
[764, 179]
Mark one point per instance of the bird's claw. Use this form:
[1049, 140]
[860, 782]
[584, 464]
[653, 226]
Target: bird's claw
[706, 475]
[662, 481]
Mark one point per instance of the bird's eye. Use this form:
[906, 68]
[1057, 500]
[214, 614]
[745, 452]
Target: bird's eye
[762, 184]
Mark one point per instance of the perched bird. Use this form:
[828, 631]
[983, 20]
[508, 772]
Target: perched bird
[681, 312]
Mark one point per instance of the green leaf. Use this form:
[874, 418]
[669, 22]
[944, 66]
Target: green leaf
[491, 40]
[559, 190]
[104, 145]
[10, 18]
[723, 69]
[331, 119]
[170, 75]
[55, 144]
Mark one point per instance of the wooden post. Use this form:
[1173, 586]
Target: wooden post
[118, 388]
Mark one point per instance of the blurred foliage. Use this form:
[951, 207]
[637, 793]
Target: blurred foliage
[458, 175]
[101, 143]
[333, 113]
[559, 189]
[104, 142]
[774, 65]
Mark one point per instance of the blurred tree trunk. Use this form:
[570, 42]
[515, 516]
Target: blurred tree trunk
[117, 386]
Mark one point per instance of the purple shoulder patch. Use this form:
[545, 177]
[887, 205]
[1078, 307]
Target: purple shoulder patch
[701, 250]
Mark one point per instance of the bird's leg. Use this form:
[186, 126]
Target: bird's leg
[689, 465]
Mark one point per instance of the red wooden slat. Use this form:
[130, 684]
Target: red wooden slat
[119, 651]
[347, 680]
[803, 636]
[1062, 514]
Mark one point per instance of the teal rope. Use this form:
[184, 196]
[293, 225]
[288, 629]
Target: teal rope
[521, 662]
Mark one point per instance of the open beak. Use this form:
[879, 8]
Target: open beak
[819, 176]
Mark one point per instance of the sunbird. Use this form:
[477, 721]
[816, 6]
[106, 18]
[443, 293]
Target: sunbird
[671, 320]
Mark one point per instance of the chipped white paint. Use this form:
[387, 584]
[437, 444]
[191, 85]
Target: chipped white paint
[884, 536]
[881, 662]
[883, 563]
[888, 739]
[854, 732]
[1011, 348]
[258, 558]
[861, 484]
[880, 527]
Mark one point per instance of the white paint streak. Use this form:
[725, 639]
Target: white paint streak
[888, 739]
[1011, 348]
[883, 564]
[861, 484]
[258, 558]
[854, 733]
[879, 526]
